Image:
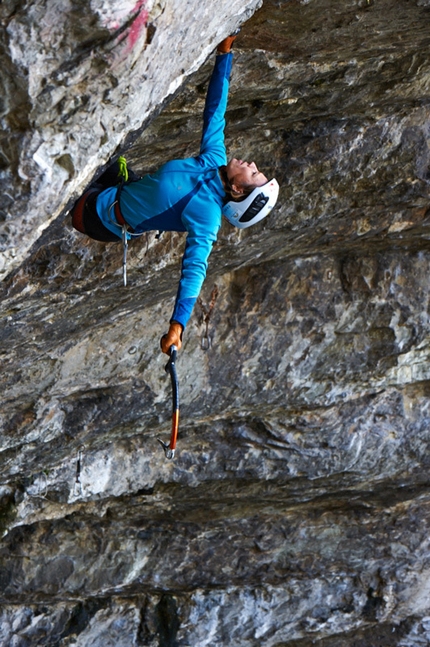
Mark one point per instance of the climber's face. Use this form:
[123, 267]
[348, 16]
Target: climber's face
[243, 175]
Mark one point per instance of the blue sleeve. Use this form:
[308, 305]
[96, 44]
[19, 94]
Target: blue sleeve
[212, 144]
[194, 266]
[183, 310]
[202, 221]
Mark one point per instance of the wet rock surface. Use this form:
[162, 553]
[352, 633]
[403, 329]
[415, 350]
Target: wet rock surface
[296, 511]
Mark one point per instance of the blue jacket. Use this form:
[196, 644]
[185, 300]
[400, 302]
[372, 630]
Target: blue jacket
[183, 195]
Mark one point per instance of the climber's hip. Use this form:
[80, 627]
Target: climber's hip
[86, 219]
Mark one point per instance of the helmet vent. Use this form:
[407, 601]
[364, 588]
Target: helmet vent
[255, 207]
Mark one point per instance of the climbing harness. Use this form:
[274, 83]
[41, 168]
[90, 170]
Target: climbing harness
[169, 448]
[123, 174]
[119, 220]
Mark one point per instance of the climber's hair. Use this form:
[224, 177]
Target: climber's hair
[232, 195]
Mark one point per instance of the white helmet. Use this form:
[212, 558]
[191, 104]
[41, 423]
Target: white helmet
[254, 207]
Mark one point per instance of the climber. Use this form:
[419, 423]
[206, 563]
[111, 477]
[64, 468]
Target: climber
[186, 195]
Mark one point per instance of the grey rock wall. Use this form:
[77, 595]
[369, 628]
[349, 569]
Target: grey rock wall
[78, 78]
[296, 512]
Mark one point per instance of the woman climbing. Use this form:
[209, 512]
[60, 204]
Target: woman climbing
[186, 195]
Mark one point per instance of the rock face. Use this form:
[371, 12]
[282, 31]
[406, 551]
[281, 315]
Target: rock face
[296, 511]
[78, 78]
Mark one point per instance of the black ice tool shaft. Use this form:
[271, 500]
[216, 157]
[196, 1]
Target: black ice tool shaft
[169, 449]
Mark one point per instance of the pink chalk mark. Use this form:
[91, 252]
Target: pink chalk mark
[138, 24]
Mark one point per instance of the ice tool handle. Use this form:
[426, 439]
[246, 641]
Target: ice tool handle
[169, 449]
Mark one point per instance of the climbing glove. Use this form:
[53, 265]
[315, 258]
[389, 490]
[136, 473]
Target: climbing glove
[174, 336]
[225, 45]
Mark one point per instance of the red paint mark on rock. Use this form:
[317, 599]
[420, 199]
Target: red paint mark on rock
[138, 24]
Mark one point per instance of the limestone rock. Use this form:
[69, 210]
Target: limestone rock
[296, 512]
[79, 78]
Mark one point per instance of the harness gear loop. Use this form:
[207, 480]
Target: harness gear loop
[169, 448]
[123, 175]
[119, 221]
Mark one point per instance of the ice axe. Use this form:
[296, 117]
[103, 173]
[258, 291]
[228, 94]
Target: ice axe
[169, 449]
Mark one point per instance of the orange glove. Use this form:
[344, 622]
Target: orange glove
[225, 45]
[174, 336]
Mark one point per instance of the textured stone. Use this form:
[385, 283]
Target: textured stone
[296, 512]
[78, 79]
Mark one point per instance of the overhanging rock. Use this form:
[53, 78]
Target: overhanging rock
[297, 510]
[78, 78]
